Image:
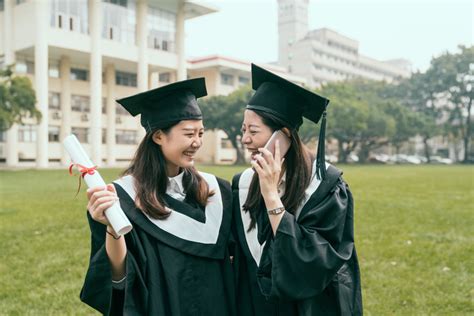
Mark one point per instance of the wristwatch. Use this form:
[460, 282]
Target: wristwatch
[276, 211]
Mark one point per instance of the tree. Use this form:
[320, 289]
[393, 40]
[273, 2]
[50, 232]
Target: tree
[418, 95]
[227, 113]
[347, 116]
[407, 125]
[308, 131]
[358, 117]
[17, 99]
[442, 98]
[381, 127]
[453, 78]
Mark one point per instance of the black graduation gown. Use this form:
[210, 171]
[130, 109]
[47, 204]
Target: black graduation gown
[165, 274]
[310, 266]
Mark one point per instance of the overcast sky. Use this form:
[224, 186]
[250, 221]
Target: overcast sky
[386, 29]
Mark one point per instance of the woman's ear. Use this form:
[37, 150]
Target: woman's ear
[158, 137]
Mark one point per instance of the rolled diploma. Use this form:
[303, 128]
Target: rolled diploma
[116, 217]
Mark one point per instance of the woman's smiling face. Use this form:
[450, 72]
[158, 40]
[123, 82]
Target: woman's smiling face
[255, 133]
[180, 144]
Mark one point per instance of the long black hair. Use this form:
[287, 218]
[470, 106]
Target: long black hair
[298, 161]
[148, 167]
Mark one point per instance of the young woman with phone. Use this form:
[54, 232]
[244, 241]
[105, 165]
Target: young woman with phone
[293, 213]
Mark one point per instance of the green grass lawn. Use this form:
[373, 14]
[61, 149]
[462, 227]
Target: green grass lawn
[414, 233]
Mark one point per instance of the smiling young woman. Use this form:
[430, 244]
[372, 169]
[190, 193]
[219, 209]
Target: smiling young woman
[293, 217]
[176, 259]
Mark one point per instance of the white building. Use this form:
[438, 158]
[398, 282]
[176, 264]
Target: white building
[225, 74]
[324, 55]
[81, 55]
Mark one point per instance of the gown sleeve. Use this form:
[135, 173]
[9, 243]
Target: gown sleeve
[98, 290]
[305, 254]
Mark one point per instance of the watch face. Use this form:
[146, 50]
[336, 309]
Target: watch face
[276, 211]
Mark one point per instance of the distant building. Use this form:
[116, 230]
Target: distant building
[324, 55]
[81, 55]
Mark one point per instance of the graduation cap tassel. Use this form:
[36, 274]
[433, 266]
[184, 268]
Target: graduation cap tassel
[321, 156]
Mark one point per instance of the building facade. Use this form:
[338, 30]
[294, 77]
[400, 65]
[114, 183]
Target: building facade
[324, 55]
[81, 55]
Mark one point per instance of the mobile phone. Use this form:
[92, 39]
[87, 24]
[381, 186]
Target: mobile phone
[284, 140]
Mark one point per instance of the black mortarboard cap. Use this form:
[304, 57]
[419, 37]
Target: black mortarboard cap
[163, 106]
[290, 103]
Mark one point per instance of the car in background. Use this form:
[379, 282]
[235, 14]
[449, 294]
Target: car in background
[440, 160]
[413, 160]
[379, 159]
[399, 158]
[352, 158]
[407, 159]
[331, 158]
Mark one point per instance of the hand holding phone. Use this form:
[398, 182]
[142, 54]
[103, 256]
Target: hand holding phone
[284, 141]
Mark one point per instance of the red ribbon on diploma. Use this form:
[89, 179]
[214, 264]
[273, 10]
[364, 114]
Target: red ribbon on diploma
[83, 170]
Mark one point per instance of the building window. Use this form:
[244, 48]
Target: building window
[227, 80]
[53, 134]
[79, 74]
[104, 136]
[243, 80]
[119, 21]
[81, 133]
[156, 45]
[80, 103]
[104, 105]
[125, 79]
[18, 2]
[120, 110]
[3, 134]
[122, 3]
[125, 137]
[54, 101]
[27, 133]
[226, 143]
[69, 15]
[165, 77]
[164, 45]
[24, 67]
[161, 29]
[53, 70]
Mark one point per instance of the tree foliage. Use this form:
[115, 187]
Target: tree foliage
[442, 98]
[17, 99]
[452, 76]
[359, 116]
